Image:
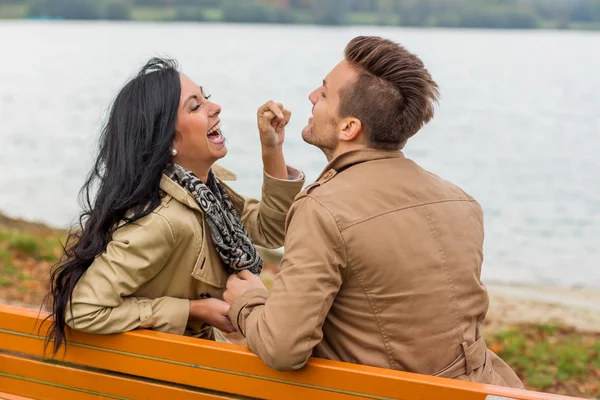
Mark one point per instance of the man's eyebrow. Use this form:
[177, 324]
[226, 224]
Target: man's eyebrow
[324, 83]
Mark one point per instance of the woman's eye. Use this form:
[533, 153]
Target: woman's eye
[196, 107]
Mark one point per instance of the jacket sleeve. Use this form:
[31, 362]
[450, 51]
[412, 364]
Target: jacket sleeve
[265, 219]
[101, 301]
[282, 328]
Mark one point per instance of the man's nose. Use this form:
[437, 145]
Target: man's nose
[313, 97]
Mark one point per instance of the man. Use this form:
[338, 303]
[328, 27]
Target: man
[382, 259]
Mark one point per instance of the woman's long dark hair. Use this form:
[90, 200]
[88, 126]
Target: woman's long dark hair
[134, 149]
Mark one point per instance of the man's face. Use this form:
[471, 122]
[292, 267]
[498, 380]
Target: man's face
[322, 128]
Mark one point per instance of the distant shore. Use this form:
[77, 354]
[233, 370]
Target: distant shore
[475, 14]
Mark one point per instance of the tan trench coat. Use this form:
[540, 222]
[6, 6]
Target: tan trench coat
[153, 268]
[382, 267]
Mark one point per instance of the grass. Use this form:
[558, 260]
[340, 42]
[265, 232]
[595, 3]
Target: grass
[27, 252]
[40, 248]
[25, 243]
[5, 255]
[551, 358]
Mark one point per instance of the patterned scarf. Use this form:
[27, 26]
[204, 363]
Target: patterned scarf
[233, 243]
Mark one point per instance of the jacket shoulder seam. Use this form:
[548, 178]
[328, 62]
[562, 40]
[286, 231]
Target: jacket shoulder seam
[407, 207]
[171, 230]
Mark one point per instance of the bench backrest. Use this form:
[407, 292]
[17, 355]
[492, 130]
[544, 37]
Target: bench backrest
[147, 364]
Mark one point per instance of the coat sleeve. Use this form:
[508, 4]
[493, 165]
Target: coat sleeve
[282, 328]
[265, 219]
[101, 301]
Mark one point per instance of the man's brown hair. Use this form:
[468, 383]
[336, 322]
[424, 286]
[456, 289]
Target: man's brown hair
[394, 94]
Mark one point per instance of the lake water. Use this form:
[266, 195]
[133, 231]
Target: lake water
[518, 125]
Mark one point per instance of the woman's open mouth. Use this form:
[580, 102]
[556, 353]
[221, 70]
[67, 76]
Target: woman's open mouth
[214, 134]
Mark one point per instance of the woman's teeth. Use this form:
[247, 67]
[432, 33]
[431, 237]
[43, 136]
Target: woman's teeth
[215, 129]
[214, 134]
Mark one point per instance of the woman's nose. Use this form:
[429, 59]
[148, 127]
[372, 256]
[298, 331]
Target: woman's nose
[215, 109]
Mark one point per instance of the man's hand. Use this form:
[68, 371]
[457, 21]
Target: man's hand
[272, 119]
[240, 283]
[213, 312]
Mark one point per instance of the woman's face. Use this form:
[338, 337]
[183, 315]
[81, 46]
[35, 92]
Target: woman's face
[198, 139]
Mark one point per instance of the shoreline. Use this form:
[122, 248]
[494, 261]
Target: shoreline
[520, 304]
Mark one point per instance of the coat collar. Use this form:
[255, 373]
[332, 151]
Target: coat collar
[173, 189]
[353, 157]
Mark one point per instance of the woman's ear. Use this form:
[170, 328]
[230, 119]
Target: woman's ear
[177, 140]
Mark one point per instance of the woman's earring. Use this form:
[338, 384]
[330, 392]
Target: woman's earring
[174, 152]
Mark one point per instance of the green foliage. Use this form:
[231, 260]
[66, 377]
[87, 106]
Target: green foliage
[501, 14]
[118, 10]
[550, 357]
[246, 11]
[25, 243]
[212, 14]
[4, 255]
[331, 12]
[67, 9]
[189, 14]
[38, 248]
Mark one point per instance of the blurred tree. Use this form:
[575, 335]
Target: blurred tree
[68, 9]
[451, 13]
[385, 10]
[331, 12]
[244, 11]
[183, 13]
[582, 11]
[415, 12]
[118, 10]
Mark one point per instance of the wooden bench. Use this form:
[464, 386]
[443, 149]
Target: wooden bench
[153, 365]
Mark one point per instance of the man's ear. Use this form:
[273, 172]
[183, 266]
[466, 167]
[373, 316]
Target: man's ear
[349, 129]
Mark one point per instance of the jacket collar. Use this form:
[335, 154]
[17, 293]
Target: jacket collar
[173, 189]
[354, 157]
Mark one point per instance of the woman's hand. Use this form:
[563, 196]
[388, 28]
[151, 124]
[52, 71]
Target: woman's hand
[272, 119]
[213, 312]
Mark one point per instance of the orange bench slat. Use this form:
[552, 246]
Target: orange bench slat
[234, 369]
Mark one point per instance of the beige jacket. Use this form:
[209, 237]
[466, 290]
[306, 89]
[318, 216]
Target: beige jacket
[152, 269]
[381, 267]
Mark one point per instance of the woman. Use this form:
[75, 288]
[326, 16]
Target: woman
[164, 232]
